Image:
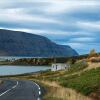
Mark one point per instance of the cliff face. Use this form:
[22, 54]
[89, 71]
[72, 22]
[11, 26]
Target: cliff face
[14, 43]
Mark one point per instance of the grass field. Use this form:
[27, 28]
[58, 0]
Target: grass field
[86, 83]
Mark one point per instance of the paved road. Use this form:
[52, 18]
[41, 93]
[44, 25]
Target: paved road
[19, 90]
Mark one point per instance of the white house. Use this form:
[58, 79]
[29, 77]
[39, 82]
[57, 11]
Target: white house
[59, 66]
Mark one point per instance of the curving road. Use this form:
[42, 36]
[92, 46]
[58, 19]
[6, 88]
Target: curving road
[20, 90]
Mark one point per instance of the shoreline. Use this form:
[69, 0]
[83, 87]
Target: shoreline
[24, 74]
[26, 65]
[22, 65]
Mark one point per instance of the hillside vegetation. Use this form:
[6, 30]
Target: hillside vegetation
[76, 83]
[86, 82]
[79, 82]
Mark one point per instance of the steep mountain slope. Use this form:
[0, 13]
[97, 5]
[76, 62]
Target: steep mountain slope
[15, 43]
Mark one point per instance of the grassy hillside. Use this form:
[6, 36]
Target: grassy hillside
[88, 82]
[85, 82]
[79, 81]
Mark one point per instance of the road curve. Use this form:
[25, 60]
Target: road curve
[20, 90]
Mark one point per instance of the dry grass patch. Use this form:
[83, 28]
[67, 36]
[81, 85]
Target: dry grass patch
[57, 92]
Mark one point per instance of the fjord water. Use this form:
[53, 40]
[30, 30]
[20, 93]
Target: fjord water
[15, 70]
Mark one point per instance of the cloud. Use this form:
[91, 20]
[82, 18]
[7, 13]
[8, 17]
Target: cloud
[59, 6]
[80, 47]
[91, 26]
[71, 22]
[16, 15]
[83, 40]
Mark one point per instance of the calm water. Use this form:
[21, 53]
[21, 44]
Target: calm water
[13, 70]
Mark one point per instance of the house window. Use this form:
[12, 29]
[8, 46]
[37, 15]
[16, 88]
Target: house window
[56, 66]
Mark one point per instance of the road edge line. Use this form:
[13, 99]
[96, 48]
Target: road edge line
[9, 89]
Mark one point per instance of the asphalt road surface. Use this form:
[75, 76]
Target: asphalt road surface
[20, 90]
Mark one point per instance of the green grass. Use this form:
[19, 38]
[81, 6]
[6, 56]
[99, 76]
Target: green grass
[86, 83]
[55, 76]
[77, 67]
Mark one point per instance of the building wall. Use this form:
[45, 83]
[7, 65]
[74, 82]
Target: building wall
[59, 66]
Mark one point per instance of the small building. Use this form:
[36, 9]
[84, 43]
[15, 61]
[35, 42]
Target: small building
[59, 66]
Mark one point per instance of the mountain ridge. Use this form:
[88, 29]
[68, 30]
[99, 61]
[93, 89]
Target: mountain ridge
[16, 43]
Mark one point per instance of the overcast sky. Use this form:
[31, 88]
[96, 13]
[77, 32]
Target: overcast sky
[69, 22]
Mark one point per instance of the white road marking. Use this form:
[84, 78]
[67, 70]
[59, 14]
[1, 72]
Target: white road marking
[13, 87]
[38, 99]
[4, 92]
[39, 92]
[9, 89]
[38, 88]
[17, 83]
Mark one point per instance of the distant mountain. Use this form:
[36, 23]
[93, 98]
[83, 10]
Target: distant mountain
[15, 43]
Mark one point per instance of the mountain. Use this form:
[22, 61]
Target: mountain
[15, 43]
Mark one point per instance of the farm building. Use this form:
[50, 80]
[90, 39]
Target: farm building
[59, 66]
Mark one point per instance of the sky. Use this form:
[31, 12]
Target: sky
[68, 22]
